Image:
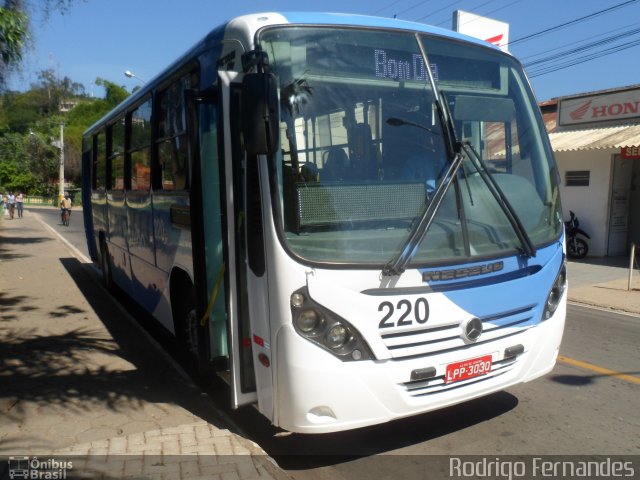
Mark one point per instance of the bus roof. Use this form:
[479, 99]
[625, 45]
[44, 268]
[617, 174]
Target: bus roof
[249, 24]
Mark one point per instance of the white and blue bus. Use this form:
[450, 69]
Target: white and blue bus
[350, 219]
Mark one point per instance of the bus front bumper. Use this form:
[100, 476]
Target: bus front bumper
[317, 393]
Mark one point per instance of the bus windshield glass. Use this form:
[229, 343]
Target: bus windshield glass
[363, 149]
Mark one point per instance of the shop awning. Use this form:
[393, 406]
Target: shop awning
[597, 138]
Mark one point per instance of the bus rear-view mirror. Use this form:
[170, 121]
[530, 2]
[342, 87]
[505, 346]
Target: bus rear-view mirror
[260, 127]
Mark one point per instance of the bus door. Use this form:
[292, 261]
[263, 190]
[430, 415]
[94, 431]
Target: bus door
[250, 292]
[226, 310]
[252, 208]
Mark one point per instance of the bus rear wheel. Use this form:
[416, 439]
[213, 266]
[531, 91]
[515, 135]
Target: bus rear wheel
[189, 326]
[105, 266]
[188, 333]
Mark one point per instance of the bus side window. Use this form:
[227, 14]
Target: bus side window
[116, 154]
[100, 163]
[140, 147]
[172, 134]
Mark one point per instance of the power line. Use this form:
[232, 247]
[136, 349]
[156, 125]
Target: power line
[387, 6]
[583, 59]
[439, 10]
[572, 22]
[501, 8]
[533, 55]
[472, 10]
[583, 48]
[412, 7]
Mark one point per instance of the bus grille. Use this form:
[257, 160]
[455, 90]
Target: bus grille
[447, 338]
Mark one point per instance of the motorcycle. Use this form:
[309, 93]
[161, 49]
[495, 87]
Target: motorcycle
[576, 247]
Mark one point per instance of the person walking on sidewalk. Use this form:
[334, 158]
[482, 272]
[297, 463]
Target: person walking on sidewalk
[11, 204]
[19, 203]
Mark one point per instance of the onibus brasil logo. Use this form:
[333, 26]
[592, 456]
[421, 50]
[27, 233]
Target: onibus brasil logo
[50, 468]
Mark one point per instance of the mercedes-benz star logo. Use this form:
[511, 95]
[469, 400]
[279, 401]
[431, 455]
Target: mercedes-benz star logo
[472, 329]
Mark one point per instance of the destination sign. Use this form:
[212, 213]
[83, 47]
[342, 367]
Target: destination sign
[364, 61]
[401, 66]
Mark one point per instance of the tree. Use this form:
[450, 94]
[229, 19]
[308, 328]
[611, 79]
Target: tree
[27, 164]
[14, 26]
[14, 30]
[114, 93]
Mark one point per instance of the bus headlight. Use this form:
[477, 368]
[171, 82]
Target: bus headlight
[555, 295]
[326, 329]
[337, 336]
[308, 320]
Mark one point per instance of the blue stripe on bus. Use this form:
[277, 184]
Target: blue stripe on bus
[479, 297]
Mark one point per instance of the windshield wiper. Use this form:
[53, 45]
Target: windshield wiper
[398, 263]
[527, 245]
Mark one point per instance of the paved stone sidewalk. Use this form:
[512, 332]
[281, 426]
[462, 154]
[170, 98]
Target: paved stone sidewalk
[194, 450]
[78, 378]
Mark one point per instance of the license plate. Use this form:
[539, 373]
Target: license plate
[467, 369]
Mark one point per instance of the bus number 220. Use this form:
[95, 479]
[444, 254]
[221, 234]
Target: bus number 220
[420, 309]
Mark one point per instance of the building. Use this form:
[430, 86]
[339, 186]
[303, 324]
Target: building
[595, 137]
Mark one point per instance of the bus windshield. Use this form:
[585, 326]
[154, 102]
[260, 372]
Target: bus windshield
[363, 150]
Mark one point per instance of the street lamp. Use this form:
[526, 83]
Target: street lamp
[130, 74]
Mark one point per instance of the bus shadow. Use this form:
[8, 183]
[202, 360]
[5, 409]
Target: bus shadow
[154, 379]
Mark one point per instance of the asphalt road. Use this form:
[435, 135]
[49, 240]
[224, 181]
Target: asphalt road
[74, 233]
[587, 406]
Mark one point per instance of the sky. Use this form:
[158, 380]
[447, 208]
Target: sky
[104, 38]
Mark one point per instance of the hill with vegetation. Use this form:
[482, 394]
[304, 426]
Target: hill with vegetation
[30, 132]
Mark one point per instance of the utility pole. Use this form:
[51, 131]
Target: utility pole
[61, 173]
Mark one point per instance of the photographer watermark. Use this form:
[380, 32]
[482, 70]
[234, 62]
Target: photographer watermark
[541, 467]
[41, 469]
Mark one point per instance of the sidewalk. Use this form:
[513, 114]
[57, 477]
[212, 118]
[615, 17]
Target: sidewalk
[75, 379]
[604, 282]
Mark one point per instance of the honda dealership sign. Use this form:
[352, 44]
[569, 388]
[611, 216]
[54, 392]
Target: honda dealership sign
[600, 108]
[487, 29]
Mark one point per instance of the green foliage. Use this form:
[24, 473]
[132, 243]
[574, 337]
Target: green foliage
[13, 33]
[30, 132]
[21, 165]
[15, 26]
[115, 93]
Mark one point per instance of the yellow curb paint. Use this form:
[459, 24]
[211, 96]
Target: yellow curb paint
[597, 369]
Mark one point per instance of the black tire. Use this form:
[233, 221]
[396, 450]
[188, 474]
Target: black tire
[188, 334]
[189, 337]
[105, 266]
[577, 248]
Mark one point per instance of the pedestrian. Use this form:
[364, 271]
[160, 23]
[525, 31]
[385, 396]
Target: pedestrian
[19, 203]
[11, 203]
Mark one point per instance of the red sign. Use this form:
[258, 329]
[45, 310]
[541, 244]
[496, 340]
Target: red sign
[468, 369]
[630, 153]
[599, 108]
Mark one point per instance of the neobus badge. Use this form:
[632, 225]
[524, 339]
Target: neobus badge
[439, 275]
